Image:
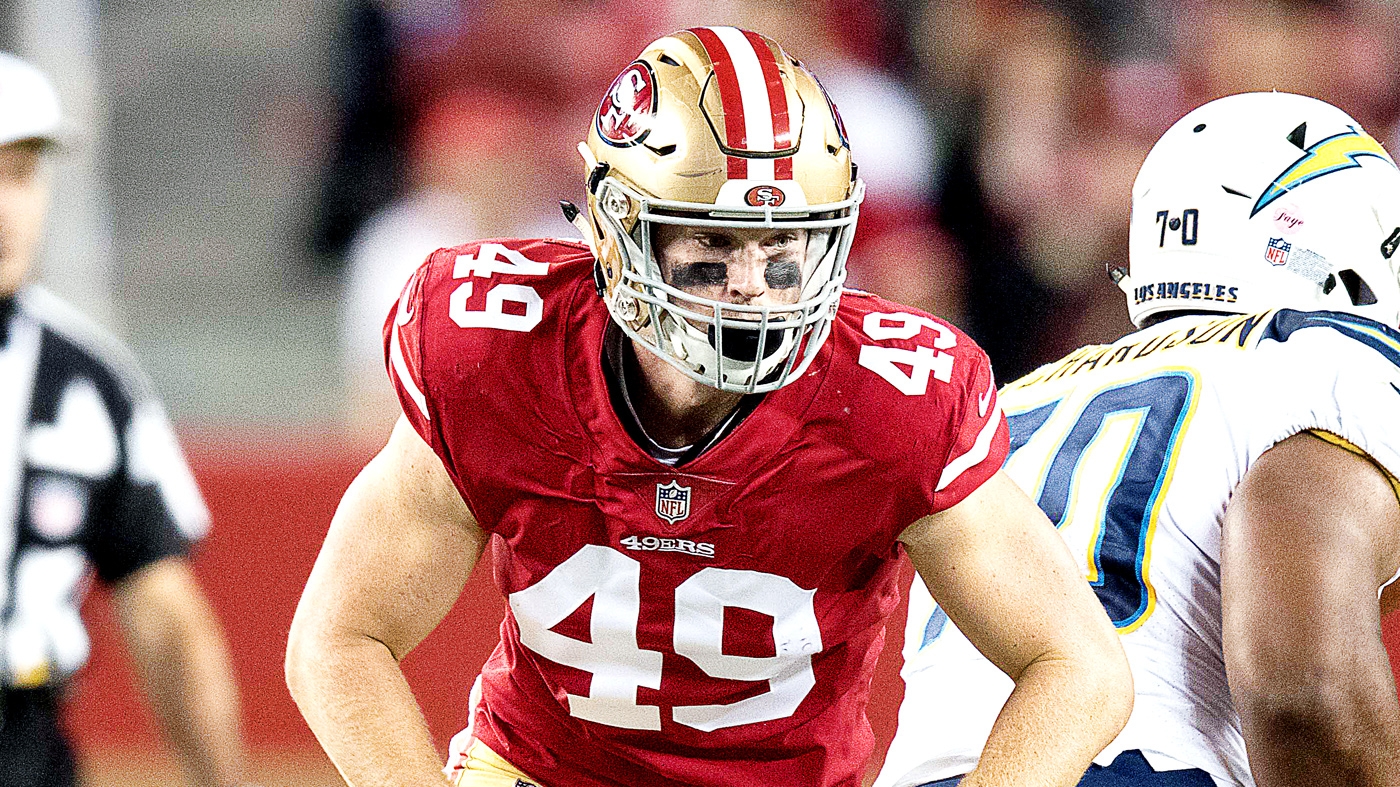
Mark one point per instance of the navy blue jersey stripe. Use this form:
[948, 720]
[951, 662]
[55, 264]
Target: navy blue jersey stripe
[1378, 336]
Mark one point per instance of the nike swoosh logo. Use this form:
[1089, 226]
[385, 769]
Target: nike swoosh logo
[986, 399]
[1396, 387]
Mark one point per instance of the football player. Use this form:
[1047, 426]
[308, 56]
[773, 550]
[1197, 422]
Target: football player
[1226, 476]
[697, 463]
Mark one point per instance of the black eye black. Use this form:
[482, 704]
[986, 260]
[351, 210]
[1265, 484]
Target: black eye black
[782, 275]
[700, 274]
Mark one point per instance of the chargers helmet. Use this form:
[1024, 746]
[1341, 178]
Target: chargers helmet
[1265, 200]
[719, 127]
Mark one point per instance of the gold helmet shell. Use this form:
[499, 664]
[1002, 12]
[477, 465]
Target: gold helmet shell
[717, 126]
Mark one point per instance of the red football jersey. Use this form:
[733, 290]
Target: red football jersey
[710, 624]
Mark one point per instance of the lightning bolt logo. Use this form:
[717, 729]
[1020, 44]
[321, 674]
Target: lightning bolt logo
[1333, 154]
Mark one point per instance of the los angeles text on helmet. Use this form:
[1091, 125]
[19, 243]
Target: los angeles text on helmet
[1186, 290]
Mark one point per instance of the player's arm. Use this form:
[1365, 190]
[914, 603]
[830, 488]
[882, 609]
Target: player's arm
[996, 565]
[397, 555]
[182, 659]
[1310, 534]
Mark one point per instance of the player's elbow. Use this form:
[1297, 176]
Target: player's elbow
[1096, 679]
[1115, 690]
[1320, 717]
[303, 653]
[1107, 682]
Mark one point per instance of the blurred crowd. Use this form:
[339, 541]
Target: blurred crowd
[998, 138]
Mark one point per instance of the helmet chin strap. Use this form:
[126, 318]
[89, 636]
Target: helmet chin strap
[575, 217]
[1120, 277]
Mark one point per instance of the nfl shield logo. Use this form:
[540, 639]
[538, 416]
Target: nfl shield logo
[672, 502]
[1277, 253]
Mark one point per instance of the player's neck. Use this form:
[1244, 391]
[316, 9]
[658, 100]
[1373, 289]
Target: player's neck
[675, 410]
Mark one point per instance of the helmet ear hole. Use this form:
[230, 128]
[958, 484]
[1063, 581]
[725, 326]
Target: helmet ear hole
[1357, 289]
[1299, 136]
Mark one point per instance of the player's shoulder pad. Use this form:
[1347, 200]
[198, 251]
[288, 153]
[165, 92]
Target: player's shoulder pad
[1339, 329]
[476, 301]
[460, 279]
[1344, 373]
[926, 386]
[919, 357]
[542, 263]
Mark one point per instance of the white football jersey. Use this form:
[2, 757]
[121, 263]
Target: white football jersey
[1133, 450]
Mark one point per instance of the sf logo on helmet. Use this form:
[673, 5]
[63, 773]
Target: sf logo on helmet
[624, 117]
[765, 196]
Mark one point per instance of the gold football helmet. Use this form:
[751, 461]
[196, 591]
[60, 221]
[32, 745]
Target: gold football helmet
[719, 127]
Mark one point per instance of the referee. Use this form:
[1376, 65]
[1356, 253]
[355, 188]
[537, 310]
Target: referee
[92, 482]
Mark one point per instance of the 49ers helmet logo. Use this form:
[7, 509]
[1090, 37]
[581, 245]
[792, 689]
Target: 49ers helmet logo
[624, 117]
[765, 196]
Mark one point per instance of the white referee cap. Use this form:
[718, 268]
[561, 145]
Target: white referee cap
[28, 103]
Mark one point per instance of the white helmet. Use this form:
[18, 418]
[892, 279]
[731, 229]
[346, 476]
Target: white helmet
[1260, 201]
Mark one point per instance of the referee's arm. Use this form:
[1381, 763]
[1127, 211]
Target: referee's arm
[152, 516]
[183, 661]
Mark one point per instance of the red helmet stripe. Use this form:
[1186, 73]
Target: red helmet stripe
[777, 97]
[782, 168]
[777, 102]
[731, 97]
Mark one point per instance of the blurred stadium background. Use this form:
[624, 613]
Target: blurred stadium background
[250, 181]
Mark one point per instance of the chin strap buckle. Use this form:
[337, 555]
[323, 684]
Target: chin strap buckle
[1120, 277]
[574, 216]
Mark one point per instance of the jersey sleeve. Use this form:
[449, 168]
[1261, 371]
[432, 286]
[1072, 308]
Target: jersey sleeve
[404, 353]
[152, 508]
[1336, 375]
[978, 438]
[1357, 404]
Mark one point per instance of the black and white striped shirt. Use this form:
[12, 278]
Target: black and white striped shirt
[91, 478]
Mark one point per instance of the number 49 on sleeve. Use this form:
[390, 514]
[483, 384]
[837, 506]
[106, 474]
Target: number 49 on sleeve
[922, 361]
[495, 258]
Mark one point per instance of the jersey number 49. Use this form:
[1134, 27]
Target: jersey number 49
[618, 666]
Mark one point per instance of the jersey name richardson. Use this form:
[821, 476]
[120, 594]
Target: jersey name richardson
[729, 608]
[1235, 330]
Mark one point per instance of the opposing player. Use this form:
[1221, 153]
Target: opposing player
[1226, 475]
[697, 464]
